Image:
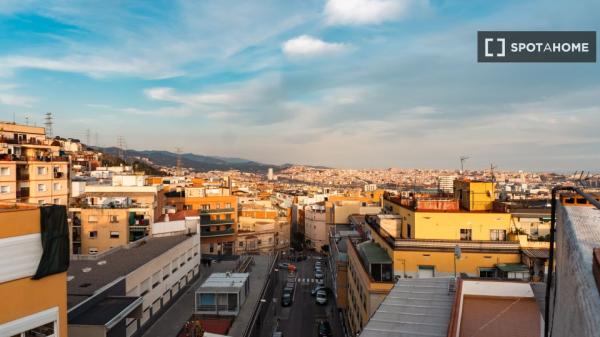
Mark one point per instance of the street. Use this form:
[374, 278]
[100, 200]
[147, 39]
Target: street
[302, 317]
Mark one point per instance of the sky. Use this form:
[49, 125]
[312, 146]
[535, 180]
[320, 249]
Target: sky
[341, 83]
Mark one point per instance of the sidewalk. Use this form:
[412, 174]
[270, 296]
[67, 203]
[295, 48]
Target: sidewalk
[169, 324]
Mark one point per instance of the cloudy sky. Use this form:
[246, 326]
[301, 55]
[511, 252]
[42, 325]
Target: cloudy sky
[344, 83]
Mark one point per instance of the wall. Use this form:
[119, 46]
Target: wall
[25, 296]
[103, 226]
[315, 228]
[9, 180]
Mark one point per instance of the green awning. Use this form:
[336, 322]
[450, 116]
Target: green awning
[512, 267]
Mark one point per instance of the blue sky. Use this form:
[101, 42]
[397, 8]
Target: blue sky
[344, 83]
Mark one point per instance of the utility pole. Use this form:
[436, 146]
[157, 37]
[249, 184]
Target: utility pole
[48, 124]
[87, 138]
[178, 169]
[121, 147]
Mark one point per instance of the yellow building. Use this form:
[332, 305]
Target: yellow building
[431, 228]
[262, 227]
[32, 169]
[108, 216]
[370, 279]
[218, 222]
[30, 307]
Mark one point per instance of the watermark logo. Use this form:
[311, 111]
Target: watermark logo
[540, 46]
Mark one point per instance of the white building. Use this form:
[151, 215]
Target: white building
[222, 294]
[446, 183]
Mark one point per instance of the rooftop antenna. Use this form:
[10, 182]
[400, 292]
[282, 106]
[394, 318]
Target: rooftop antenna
[178, 169]
[463, 159]
[492, 168]
[48, 124]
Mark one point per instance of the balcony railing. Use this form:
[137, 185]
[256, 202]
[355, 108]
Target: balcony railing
[217, 210]
[217, 233]
[207, 222]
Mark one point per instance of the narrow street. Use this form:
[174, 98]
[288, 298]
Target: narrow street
[302, 317]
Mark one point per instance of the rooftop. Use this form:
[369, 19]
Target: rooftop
[372, 253]
[113, 265]
[414, 307]
[225, 280]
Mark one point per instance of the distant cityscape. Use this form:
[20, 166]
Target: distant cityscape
[98, 241]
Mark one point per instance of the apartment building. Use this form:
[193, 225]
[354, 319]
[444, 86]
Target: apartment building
[119, 292]
[108, 216]
[431, 228]
[33, 169]
[315, 227]
[370, 279]
[218, 217]
[34, 296]
[262, 228]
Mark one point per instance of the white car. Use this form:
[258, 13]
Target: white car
[321, 297]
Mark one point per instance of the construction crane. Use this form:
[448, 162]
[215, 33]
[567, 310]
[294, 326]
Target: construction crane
[463, 159]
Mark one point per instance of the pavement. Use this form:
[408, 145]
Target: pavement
[172, 320]
[302, 317]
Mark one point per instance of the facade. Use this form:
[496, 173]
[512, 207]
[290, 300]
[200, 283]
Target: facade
[108, 216]
[315, 228]
[262, 228]
[117, 292]
[32, 307]
[370, 279]
[446, 184]
[218, 222]
[432, 228]
[33, 169]
[222, 294]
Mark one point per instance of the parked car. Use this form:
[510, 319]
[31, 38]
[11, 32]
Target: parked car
[283, 265]
[318, 270]
[286, 299]
[324, 329]
[319, 275]
[321, 297]
[316, 288]
[320, 282]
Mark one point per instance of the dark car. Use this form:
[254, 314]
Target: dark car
[286, 299]
[324, 329]
[314, 290]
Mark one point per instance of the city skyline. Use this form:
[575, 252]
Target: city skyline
[311, 83]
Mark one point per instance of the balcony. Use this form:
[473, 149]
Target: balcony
[218, 210]
[59, 175]
[207, 222]
[23, 192]
[216, 233]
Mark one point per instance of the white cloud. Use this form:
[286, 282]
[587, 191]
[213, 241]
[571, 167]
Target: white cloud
[8, 97]
[362, 12]
[307, 46]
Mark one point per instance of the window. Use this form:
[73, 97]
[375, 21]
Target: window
[227, 216]
[92, 218]
[465, 234]
[41, 187]
[41, 202]
[114, 218]
[56, 201]
[408, 231]
[42, 171]
[57, 186]
[487, 272]
[4, 189]
[497, 234]
[228, 205]
[93, 234]
[205, 207]
[241, 243]
[4, 171]
[114, 235]
[93, 251]
[40, 331]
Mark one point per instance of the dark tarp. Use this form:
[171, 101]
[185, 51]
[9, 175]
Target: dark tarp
[55, 241]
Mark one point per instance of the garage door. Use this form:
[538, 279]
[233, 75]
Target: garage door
[426, 272]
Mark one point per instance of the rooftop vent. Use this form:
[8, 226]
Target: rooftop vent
[86, 269]
[101, 263]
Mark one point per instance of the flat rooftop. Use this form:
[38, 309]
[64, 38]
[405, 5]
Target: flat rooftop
[108, 268]
[413, 308]
[225, 280]
[104, 311]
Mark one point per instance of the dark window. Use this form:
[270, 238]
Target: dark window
[93, 234]
[465, 234]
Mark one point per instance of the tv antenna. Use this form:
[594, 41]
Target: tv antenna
[463, 159]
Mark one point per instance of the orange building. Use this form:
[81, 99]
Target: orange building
[31, 307]
[218, 222]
